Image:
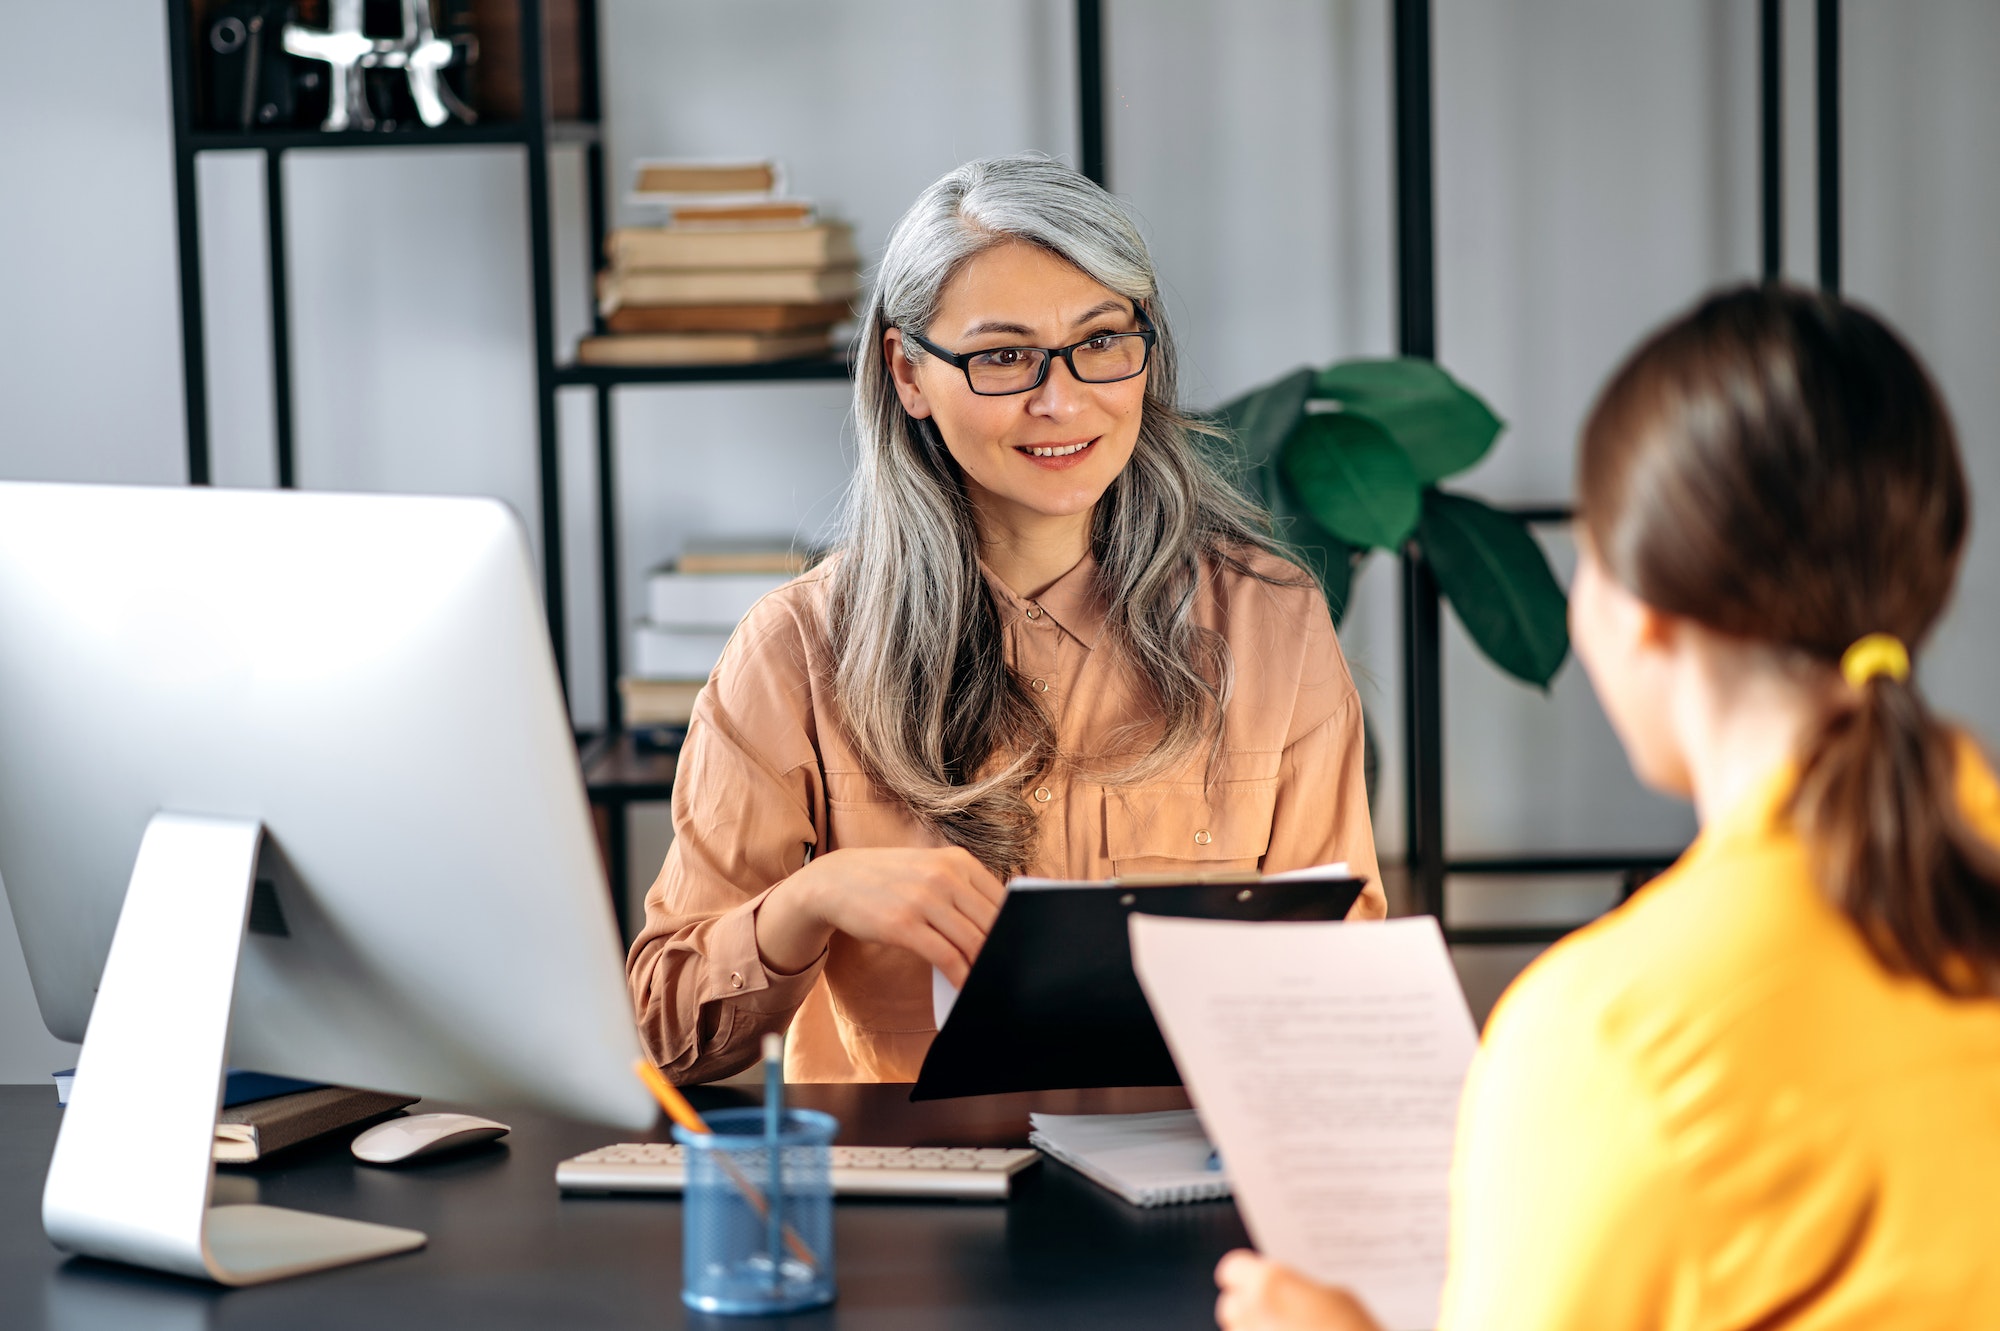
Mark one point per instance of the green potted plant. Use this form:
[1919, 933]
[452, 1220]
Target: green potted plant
[1349, 457]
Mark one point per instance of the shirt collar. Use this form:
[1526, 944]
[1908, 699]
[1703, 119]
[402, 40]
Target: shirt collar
[1072, 601]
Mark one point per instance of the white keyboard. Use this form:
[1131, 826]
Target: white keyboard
[965, 1173]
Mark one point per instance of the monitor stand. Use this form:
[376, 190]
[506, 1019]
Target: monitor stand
[134, 1163]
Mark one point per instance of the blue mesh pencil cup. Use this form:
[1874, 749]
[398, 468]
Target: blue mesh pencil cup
[757, 1224]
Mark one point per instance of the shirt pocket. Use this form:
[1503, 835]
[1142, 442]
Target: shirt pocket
[1189, 829]
[862, 813]
[849, 787]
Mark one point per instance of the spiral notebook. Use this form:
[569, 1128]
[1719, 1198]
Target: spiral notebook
[1148, 1159]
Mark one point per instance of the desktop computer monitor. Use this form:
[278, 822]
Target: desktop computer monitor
[287, 782]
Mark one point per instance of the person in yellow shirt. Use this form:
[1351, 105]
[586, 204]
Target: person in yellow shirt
[1766, 1091]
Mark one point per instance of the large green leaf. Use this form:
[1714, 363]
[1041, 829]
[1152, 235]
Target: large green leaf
[1499, 583]
[1352, 479]
[1330, 559]
[1440, 423]
[1262, 417]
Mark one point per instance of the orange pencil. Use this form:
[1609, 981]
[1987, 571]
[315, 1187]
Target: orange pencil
[680, 1111]
[670, 1097]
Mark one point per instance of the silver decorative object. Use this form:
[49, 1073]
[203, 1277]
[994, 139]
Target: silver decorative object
[424, 56]
[348, 51]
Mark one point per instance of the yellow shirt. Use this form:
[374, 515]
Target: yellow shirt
[1714, 1108]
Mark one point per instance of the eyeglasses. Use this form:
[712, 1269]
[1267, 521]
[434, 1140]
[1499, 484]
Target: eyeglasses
[1104, 359]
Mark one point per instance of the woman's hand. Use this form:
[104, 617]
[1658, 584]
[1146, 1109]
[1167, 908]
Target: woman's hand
[936, 902]
[1260, 1295]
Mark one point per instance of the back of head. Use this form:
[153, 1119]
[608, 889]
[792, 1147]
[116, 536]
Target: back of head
[1777, 466]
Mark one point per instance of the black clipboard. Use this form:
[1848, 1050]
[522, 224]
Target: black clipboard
[1052, 1003]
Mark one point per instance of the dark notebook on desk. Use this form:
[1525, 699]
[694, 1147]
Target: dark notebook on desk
[1053, 1004]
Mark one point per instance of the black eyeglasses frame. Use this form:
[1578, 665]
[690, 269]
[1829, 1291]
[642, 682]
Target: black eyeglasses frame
[963, 362]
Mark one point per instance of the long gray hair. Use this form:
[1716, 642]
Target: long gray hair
[922, 681]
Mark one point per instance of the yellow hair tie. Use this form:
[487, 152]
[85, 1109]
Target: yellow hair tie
[1876, 654]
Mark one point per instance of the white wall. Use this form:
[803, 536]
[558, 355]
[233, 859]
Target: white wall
[1596, 168]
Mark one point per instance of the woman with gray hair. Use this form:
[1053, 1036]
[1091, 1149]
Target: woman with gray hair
[1053, 640]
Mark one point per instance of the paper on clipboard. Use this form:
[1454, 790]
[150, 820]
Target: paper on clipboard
[1326, 1061]
[943, 994]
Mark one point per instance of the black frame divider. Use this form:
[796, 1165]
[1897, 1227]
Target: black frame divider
[281, 316]
[194, 346]
[533, 132]
[1090, 90]
[535, 125]
[1416, 332]
[1826, 80]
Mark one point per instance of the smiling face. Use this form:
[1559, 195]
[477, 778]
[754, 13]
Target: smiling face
[1046, 455]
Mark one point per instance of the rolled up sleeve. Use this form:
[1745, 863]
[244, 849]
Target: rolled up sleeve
[748, 807]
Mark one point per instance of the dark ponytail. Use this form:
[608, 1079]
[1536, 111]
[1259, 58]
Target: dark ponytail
[1877, 801]
[1777, 466]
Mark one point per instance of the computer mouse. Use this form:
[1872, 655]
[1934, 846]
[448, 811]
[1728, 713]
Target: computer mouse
[402, 1139]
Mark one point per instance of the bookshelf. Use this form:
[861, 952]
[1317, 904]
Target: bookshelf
[616, 774]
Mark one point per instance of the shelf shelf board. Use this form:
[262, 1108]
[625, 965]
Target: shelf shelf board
[617, 771]
[776, 371]
[448, 136]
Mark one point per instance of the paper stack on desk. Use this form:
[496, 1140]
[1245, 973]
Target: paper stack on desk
[1326, 1061]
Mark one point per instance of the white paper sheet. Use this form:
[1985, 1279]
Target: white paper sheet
[1326, 1061]
[943, 994]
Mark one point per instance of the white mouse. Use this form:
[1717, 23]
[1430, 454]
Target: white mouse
[403, 1139]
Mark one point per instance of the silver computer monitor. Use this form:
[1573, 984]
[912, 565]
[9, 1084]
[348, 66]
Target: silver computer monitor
[321, 740]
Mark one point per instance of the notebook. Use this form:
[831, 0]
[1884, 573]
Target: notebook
[1148, 1159]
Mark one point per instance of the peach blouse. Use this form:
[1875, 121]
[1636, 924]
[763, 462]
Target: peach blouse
[767, 778]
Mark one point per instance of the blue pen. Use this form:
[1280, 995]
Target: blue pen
[774, 1119]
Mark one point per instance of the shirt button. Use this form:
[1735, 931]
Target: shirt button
[1040, 686]
[1042, 795]
[736, 979]
[1202, 838]
[1034, 612]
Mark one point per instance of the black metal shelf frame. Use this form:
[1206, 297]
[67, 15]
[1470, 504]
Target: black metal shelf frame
[1423, 686]
[536, 133]
[445, 136]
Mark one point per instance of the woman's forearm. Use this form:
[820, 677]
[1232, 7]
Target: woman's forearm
[791, 934]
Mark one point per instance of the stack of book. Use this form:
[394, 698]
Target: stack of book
[262, 1114]
[693, 604]
[738, 274]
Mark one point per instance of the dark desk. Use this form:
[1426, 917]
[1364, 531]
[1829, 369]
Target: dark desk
[508, 1251]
